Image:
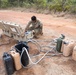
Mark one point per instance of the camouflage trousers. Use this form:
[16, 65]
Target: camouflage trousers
[37, 31]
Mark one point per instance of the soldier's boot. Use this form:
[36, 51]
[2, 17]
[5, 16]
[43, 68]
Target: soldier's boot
[40, 31]
[35, 35]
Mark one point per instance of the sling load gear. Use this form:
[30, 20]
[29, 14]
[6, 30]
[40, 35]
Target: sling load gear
[15, 31]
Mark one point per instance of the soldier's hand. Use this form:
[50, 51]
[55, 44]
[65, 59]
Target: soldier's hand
[25, 30]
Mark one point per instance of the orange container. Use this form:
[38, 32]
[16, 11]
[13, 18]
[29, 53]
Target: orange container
[16, 58]
[62, 47]
[68, 49]
[74, 54]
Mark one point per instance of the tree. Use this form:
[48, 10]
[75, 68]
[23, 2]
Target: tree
[0, 3]
[63, 5]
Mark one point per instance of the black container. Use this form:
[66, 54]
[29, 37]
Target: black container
[24, 58]
[8, 63]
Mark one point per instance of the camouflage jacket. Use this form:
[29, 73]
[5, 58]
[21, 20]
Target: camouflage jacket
[34, 25]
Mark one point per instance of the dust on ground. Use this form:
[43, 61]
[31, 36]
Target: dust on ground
[52, 28]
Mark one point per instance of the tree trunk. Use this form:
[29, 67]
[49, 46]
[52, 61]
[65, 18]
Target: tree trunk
[63, 5]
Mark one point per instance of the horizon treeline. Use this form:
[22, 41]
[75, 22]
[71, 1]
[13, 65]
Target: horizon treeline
[51, 5]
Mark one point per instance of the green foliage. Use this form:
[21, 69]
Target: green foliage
[4, 3]
[62, 5]
[73, 6]
[56, 5]
[40, 3]
[26, 4]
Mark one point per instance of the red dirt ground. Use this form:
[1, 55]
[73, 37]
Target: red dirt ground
[53, 27]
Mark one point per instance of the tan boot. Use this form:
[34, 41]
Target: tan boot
[36, 37]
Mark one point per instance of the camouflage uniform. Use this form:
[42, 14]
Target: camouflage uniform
[36, 26]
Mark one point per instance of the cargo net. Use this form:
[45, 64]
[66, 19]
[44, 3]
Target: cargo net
[27, 54]
[44, 48]
[33, 51]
